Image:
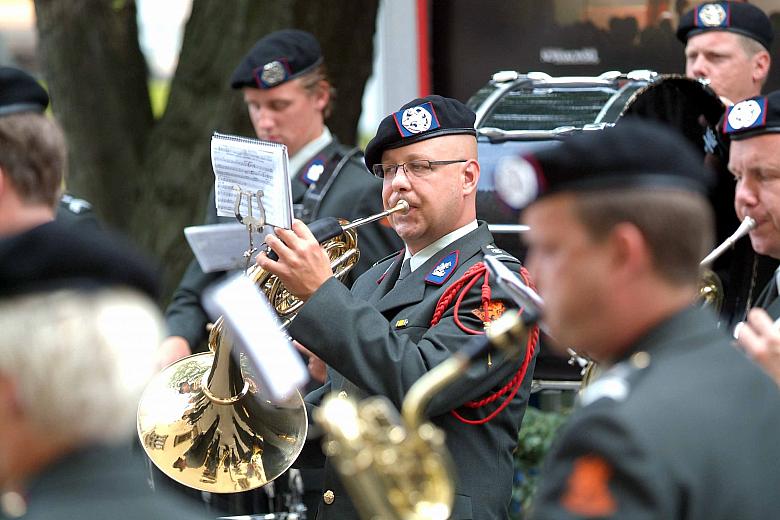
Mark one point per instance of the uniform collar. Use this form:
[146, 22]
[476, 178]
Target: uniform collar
[428, 251]
[309, 150]
[682, 326]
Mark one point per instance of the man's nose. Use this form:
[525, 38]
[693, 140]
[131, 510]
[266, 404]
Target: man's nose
[698, 68]
[400, 180]
[745, 194]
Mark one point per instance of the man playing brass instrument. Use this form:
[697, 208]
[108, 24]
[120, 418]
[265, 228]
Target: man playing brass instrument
[413, 309]
[681, 425]
[753, 127]
[727, 44]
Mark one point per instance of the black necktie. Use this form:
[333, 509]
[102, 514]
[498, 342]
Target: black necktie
[406, 268]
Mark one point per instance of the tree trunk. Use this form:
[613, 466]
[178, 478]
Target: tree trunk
[150, 178]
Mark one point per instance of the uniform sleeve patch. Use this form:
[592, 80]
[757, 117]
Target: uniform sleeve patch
[494, 311]
[587, 489]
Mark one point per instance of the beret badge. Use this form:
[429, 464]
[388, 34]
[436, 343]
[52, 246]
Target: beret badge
[713, 15]
[273, 73]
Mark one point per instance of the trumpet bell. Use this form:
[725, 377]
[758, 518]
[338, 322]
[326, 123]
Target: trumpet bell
[205, 422]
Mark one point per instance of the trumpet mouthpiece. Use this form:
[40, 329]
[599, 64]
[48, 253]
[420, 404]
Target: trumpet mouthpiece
[404, 206]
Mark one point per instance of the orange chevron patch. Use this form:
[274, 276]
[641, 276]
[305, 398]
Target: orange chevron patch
[587, 493]
[494, 311]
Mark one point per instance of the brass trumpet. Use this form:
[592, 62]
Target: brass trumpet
[207, 423]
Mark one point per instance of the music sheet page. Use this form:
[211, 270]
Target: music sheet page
[252, 165]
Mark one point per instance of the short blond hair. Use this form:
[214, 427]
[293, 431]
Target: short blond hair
[80, 360]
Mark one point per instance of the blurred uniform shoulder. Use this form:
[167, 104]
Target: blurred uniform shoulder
[73, 210]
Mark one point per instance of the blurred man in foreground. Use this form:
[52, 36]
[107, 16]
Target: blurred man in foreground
[616, 235]
[80, 329]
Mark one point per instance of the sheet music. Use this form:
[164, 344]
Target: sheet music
[252, 165]
[220, 247]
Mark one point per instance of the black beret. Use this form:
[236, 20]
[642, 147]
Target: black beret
[423, 118]
[737, 17]
[754, 116]
[57, 256]
[634, 154]
[277, 58]
[19, 92]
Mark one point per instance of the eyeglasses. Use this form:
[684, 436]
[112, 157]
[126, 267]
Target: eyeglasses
[419, 168]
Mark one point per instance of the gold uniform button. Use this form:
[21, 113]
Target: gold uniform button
[342, 395]
[328, 497]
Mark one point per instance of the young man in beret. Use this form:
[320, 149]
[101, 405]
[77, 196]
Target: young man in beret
[753, 128]
[288, 96]
[412, 310]
[616, 235]
[728, 44]
[80, 329]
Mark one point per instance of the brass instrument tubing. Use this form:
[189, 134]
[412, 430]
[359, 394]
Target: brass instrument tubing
[744, 228]
[420, 394]
[401, 206]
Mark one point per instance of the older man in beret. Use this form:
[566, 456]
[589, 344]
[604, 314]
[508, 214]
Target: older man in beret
[728, 44]
[412, 310]
[288, 94]
[80, 329]
[616, 235]
[753, 128]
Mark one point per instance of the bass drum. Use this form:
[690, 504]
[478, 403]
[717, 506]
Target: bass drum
[686, 104]
[693, 109]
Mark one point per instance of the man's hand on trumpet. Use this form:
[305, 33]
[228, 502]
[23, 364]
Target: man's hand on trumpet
[760, 338]
[302, 266]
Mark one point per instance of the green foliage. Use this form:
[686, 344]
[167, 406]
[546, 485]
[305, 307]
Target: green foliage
[534, 441]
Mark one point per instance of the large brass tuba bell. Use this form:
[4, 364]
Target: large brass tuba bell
[205, 420]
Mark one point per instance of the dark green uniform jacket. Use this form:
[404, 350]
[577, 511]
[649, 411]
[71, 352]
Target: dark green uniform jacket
[685, 427]
[769, 300]
[377, 340]
[345, 189]
[99, 483]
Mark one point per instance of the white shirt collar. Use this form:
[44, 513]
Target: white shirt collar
[309, 150]
[424, 254]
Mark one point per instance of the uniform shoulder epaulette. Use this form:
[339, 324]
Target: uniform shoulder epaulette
[500, 254]
[74, 205]
[388, 257]
[616, 383]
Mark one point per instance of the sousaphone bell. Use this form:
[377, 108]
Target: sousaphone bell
[208, 423]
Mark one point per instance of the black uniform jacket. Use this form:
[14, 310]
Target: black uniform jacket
[377, 340]
[102, 482]
[685, 427]
[346, 190]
